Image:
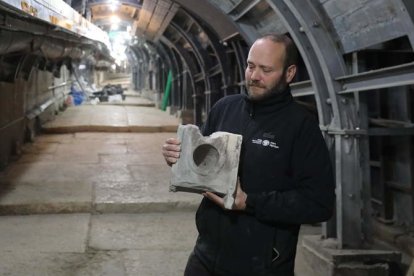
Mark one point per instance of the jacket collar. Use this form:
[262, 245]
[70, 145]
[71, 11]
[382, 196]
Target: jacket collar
[268, 106]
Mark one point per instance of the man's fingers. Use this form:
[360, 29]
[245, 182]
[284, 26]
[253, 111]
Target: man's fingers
[171, 160]
[215, 198]
[172, 154]
[171, 147]
[171, 150]
[171, 157]
[174, 141]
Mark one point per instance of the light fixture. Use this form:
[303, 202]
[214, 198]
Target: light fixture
[115, 19]
[114, 22]
[114, 5]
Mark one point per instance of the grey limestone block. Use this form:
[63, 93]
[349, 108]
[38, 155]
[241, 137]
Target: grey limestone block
[207, 163]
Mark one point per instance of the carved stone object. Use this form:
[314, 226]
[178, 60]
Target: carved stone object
[207, 163]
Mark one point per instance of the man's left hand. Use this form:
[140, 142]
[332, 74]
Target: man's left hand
[239, 201]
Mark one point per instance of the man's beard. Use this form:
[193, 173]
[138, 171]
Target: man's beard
[267, 94]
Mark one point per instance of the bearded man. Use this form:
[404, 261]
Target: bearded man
[285, 174]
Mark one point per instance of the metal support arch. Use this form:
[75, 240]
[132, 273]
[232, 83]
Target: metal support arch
[135, 67]
[188, 66]
[218, 51]
[141, 67]
[203, 61]
[202, 57]
[165, 66]
[177, 66]
[241, 58]
[178, 84]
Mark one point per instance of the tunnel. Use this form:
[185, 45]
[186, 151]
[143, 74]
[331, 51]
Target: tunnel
[355, 75]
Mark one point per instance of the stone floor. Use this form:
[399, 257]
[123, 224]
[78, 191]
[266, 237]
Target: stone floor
[81, 202]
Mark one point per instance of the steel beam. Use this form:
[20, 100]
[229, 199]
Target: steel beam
[178, 86]
[234, 6]
[220, 55]
[303, 88]
[173, 10]
[249, 7]
[141, 68]
[377, 79]
[165, 66]
[202, 57]
[365, 158]
[189, 68]
[133, 3]
[209, 11]
[176, 67]
[394, 76]
[241, 58]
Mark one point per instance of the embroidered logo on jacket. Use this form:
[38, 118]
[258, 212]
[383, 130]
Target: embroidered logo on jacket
[265, 143]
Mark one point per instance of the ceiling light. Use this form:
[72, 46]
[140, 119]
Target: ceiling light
[114, 5]
[115, 19]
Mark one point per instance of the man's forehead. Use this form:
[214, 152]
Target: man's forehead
[261, 62]
[268, 43]
[265, 52]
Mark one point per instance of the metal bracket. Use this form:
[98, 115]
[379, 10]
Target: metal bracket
[345, 132]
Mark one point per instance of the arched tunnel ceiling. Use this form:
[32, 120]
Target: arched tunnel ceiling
[350, 25]
[219, 22]
[354, 24]
[150, 18]
[144, 18]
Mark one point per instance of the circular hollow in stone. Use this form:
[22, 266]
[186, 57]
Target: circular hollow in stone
[206, 157]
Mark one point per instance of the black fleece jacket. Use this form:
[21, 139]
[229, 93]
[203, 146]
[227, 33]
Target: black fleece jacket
[286, 172]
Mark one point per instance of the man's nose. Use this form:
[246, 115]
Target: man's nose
[255, 75]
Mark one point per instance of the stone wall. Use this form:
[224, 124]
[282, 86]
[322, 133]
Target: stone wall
[25, 105]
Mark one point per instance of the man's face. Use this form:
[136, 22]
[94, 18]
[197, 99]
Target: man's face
[265, 74]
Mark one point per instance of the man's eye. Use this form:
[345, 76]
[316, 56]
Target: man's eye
[267, 70]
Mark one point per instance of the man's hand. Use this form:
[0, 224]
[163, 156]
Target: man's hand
[239, 201]
[171, 151]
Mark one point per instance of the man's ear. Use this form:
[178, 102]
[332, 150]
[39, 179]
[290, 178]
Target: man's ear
[290, 73]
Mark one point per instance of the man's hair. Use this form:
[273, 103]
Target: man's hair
[291, 56]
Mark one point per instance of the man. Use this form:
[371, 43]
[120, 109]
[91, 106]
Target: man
[285, 175]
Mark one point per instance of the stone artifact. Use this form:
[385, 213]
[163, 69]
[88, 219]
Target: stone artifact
[207, 163]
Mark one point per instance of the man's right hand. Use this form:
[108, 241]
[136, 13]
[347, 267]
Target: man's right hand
[171, 150]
